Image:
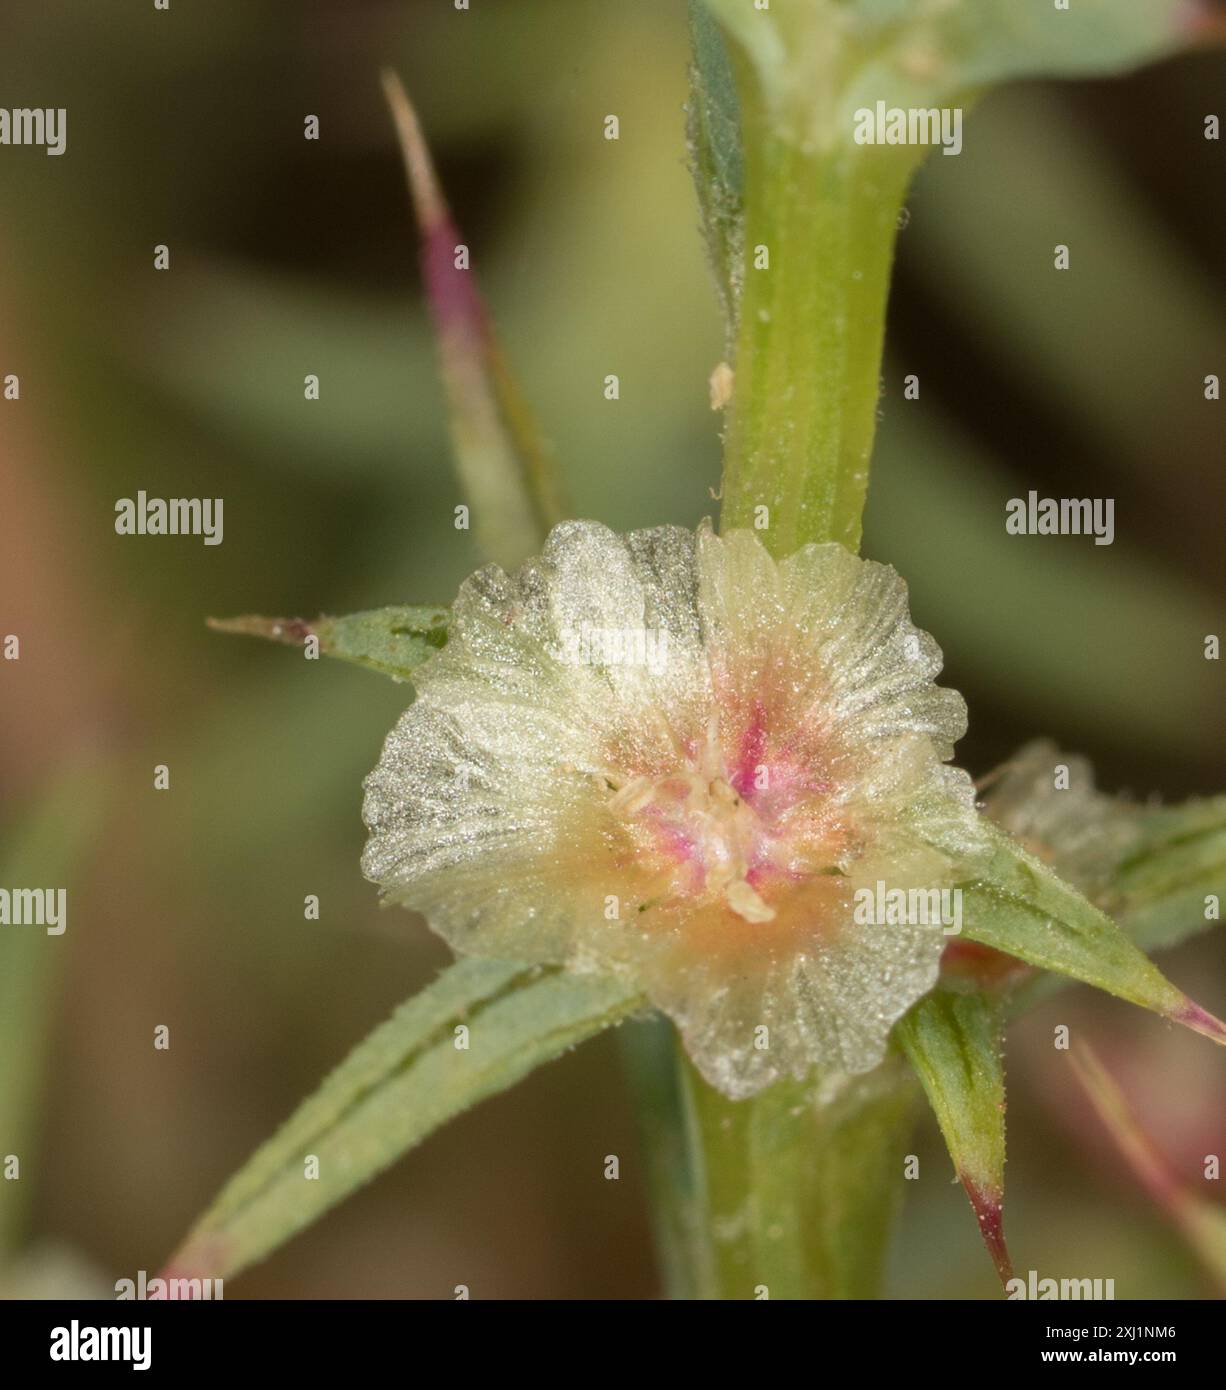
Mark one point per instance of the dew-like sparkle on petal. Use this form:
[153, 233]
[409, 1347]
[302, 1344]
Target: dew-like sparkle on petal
[698, 822]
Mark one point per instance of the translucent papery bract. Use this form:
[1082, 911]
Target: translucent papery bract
[668, 757]
[1083, 833]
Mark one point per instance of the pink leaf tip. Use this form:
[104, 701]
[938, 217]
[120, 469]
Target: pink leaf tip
[988, 1206]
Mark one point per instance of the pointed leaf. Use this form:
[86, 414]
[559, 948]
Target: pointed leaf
[399, 1085]
[713, 134]
[1018, 906]
[503, 464]
[393, 641]
[954, 1042]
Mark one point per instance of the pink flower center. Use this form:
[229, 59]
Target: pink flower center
[706, 829]
[709, 828]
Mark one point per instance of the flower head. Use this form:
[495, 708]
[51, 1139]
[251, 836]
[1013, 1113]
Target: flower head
[669, 757]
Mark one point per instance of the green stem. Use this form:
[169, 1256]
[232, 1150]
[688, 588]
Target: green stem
[819, 239]
[788, 1195]
[674, 1179]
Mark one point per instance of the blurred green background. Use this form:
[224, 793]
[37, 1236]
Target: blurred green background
[291, 257]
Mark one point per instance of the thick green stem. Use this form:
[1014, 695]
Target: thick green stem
[673, 1177]
[819, 239]
[790, 1194]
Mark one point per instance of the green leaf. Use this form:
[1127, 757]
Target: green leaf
[653, 1068]
[405, 1080]
[1159, 871]
[953, 1040]
[978, 42]
[1176, 877]
[502, 461]
[824, 210]
[1017, 905]
[713, 133]
[792, 1193]
[393, 641]
[914, 52]
[1167, 888]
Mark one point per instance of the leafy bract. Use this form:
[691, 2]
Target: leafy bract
[1158, 869]
[916, 52]
[503, 464]
[1173, 883]
[411, 1075]
[1018, 906]
[393, 641]
[953, 1040]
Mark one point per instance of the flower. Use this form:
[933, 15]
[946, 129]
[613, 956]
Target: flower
[668, 757]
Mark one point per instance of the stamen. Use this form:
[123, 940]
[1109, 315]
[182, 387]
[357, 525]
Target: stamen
[632, 797]
[746, 902]
[722, 790]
